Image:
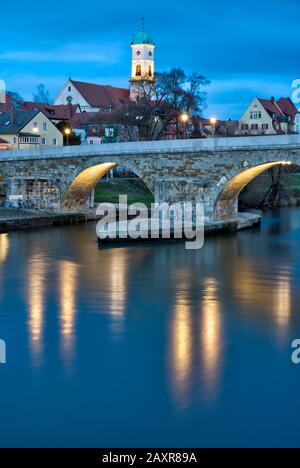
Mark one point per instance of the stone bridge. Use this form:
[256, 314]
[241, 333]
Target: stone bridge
[212, 171]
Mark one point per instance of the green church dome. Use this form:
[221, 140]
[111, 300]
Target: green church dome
[142, 37]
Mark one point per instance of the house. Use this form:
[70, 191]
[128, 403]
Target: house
[221, 128]
[54, 113]
[92, 97]
[269, 117]
[97, 128]
[26, 129]
[4, 145]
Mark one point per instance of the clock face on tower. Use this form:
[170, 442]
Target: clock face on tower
[138, 53]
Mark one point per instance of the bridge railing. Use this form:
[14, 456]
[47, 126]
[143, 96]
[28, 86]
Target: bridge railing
[160, 146]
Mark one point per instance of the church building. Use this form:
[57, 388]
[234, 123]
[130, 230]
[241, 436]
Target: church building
[91, 97]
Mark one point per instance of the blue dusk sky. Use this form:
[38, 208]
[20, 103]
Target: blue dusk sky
[244, 48]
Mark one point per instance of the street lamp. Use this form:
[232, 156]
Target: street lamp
[67, 133]
[35, 132]
[213, 121]
[184, 119]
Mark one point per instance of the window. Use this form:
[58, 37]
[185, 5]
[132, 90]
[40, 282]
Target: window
[69, 89]
[44, 141]
[14, 140]
[265, 126]
[254, 127]
[45, 126]
[244, 126]
[149, 70]
[138, 70]
[35, 125]
[255, 115]
[109, 132]
[91, 142]
[54, 141]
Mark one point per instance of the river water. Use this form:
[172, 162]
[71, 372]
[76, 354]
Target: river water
[151, 345]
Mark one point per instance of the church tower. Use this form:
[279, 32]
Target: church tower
[142, 61]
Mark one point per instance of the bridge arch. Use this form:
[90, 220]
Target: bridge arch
[231, 185]
[81, 183]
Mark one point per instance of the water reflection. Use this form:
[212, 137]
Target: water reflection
[210, 331]
[68, 277]
[4, 247]
[282, 299]
[117, 286]
[181, 347]
[264, 292]
[36, 288]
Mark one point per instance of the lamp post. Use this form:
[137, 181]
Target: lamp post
[184, 119]
[35, 132]
[67, 133]
[213, 121]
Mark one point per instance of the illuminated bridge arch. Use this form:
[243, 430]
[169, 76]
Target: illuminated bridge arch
[82, 182]
[231, 185]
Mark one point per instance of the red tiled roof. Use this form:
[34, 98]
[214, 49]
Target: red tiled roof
[90, 118]
[102, 96]
[288, 108]
[3, 142]
[281, 108]
[53, 112]
[270, 106]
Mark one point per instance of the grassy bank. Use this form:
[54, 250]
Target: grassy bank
[254, 193]
[136, 191]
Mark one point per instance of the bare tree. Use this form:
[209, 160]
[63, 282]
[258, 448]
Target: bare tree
[161, 102]
[278, 179]
[41, 95]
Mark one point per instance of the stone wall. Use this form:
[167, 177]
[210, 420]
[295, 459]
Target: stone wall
[173, 171]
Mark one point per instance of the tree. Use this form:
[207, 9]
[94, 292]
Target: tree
[160, 104]
[279, 175]
[42, 94]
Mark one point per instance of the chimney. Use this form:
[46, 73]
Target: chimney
[272, 99]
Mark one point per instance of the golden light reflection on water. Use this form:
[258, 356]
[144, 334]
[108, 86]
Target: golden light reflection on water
[117, 286]
[196, 348]
[210, 331]
[265, 293]
[36, 289]
[282, 300]
[181, 346]
[4, 247]
[68, 278]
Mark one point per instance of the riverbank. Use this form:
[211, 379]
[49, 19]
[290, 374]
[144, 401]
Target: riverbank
[19, 219]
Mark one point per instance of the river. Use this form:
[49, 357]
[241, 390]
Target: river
[151, 345]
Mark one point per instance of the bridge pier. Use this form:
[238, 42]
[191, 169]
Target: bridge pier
[32, 193]
[182, 190]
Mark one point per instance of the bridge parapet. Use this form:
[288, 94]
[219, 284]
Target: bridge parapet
[211, 171]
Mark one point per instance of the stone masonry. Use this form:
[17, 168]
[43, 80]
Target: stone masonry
[211, 171]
